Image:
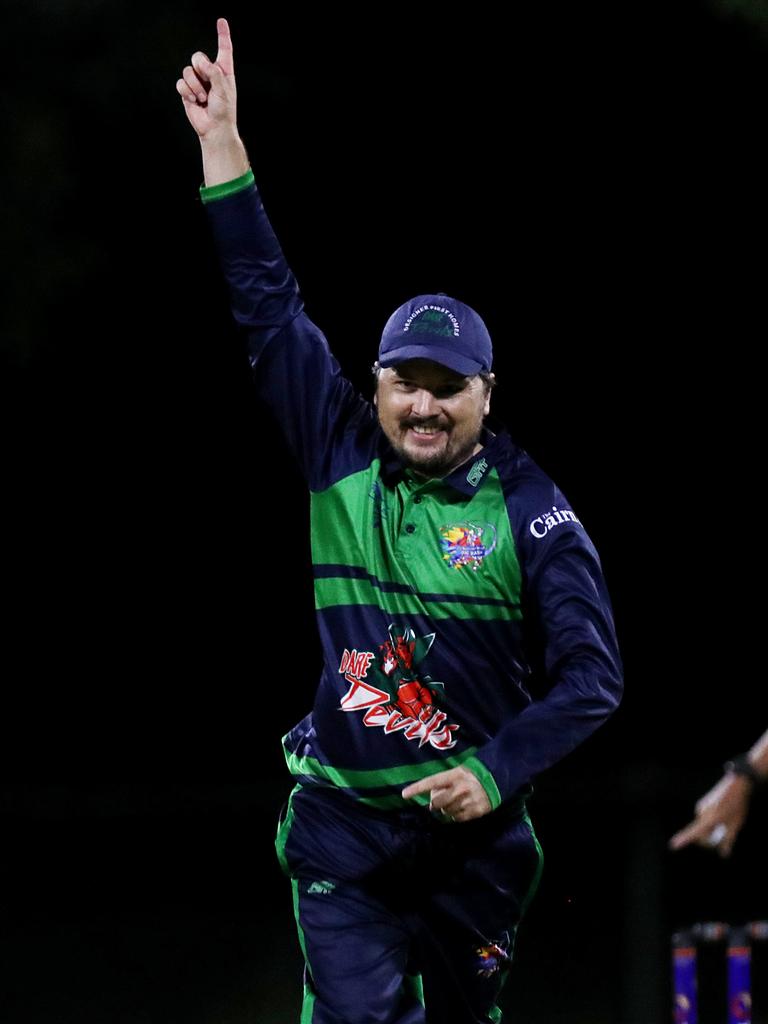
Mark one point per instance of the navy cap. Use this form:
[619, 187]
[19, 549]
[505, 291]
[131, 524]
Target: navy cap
[439, 328]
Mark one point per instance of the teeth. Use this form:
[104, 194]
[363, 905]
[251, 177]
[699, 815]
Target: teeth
[425, 430]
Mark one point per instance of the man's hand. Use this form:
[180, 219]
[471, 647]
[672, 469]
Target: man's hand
[719, 816]
[208, 88]
[208, 91]
[457, 793]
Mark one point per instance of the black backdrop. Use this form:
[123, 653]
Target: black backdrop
[593, 182]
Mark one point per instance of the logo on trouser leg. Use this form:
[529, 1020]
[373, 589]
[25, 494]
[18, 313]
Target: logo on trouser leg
[491, 959]
[323, 887]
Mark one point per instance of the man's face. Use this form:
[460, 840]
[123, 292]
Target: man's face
[431, 415]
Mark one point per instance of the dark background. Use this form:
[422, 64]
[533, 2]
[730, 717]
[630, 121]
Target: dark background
[593, 181]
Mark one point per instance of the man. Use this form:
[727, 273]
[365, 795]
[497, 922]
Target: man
[445, 561]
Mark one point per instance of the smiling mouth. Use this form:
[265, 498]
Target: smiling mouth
[426, 431]
[423, 436]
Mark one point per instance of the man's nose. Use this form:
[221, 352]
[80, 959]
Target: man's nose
[424, 403]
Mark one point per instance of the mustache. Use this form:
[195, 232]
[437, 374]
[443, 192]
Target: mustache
[431, 421]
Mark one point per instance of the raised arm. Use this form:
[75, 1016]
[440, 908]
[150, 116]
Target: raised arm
[294, 371]
[209, 94]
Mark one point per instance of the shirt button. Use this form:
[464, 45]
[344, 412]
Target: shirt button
[410, 528]
[417, 500]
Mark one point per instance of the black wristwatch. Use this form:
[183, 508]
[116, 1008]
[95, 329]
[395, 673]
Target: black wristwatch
[741, 765]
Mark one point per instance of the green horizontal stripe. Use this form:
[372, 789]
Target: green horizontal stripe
[335, 591]
[373, 777]
[393, 803]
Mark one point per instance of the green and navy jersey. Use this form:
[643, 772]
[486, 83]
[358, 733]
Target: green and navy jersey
[434, 598]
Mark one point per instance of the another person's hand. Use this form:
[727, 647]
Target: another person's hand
[456, 793]
[720, 813]
[208, 88]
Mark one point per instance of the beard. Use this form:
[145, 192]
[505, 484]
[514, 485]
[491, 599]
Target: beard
[458, 448]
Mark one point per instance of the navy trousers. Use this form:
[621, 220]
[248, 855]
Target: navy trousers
[404, 918]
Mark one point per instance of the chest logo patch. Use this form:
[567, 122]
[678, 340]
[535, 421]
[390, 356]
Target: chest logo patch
[392, 688]
[466, 544]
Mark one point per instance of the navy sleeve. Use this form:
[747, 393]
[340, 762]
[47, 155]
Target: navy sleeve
[329, 427]
[570, 621]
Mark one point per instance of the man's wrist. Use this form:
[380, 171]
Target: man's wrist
[224, 158]
[742, 766]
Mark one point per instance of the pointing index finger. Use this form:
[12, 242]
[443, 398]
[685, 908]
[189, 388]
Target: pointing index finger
[425, 785]
[224, 58]
[691, 833]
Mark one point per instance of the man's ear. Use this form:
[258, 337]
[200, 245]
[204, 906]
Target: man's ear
[489, 389]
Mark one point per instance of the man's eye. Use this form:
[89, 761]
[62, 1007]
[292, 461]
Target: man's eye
[448, 391]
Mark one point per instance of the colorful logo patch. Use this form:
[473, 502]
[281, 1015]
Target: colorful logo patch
[395, 693]
[463, 544]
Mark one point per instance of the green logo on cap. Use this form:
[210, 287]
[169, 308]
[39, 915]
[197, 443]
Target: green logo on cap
[434, 323]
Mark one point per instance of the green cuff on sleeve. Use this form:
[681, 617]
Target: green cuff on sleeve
[208, 193]
[486, 780]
